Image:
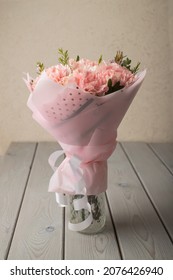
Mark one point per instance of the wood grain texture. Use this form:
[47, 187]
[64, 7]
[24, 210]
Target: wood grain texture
[140, 198]
[101, 246]
[157, 180]
[39, 229]
[14, 170]
[165, 152]
[140, 232]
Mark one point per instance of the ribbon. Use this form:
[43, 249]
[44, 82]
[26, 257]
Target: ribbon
[71, 176]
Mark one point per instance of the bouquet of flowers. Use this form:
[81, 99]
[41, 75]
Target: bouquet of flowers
[81, 103]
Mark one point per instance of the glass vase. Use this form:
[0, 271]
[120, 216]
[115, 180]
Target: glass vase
[97, 203]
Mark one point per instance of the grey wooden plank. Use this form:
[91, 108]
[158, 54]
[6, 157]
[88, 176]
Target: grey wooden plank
[101, 246]
[39, 230]
[157, 180]
[14, 170]
[165, 152]
[140, 232]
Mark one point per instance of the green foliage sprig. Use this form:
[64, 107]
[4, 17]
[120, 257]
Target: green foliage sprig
[40, 67]
[135, 69]
[126, 62]
[119, 57]
[64, 57]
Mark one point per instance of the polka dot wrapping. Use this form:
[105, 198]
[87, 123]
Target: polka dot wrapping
[66, 105]
[76, 112]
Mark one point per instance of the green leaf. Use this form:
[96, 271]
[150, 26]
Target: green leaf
[109, 83]
[77, 58]
[100, 59]
[109, 86]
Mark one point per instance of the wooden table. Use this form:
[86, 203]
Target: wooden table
[139, 206]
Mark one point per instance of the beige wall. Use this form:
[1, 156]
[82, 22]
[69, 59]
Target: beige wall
[32, 30]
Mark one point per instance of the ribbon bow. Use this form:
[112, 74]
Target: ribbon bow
[69, 174]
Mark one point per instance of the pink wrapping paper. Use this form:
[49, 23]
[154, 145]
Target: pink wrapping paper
[84, 125]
